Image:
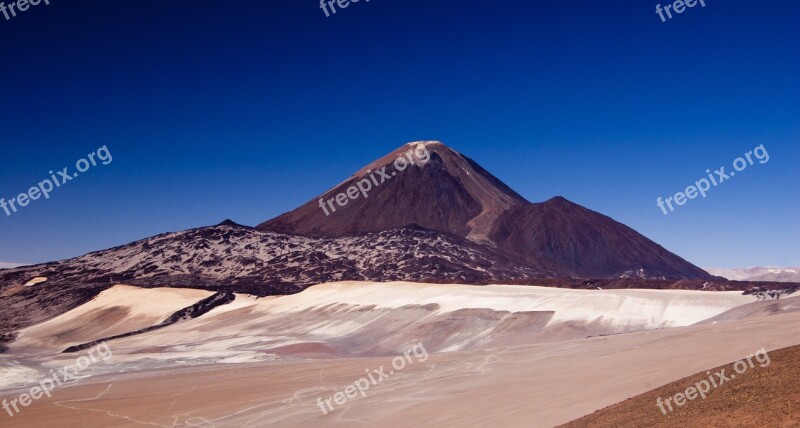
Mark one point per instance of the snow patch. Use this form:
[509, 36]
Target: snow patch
[37, 280]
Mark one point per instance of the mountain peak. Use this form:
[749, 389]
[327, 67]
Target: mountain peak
[422, 182]
[433, 145]
[426, 143]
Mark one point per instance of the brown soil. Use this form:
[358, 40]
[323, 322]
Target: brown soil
[759, 397]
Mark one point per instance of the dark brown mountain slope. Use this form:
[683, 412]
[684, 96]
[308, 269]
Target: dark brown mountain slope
[585, 243]
[448, 193]
[453, 194]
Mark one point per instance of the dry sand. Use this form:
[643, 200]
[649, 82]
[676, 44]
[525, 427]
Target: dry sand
[533, 386]
[532, 382]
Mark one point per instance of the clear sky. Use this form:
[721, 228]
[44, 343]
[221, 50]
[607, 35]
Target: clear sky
[245, 109]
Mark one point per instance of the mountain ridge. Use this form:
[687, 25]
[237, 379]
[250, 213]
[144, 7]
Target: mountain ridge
[759, 273]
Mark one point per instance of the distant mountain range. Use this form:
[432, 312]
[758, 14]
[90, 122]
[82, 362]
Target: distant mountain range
[4, 265]
[776, 274]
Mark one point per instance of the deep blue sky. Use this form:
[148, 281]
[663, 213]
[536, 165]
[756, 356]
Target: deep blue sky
[246, 109]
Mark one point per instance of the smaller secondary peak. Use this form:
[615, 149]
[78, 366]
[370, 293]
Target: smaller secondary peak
[559, 200]
[229, 222]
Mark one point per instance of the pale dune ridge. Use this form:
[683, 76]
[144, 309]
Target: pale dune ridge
[114, 311]
[621, 308]
[368, 319]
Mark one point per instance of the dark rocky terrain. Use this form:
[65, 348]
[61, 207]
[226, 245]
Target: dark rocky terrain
[236, 258]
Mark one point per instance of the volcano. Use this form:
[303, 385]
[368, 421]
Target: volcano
[448, 193]
[451, 193]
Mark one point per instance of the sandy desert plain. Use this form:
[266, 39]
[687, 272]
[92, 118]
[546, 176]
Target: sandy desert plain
[497, 355]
